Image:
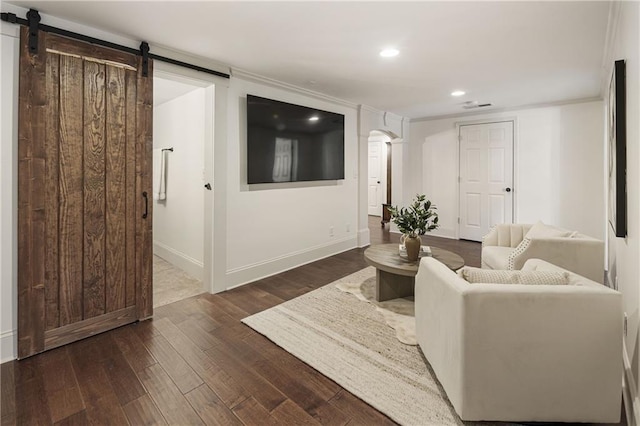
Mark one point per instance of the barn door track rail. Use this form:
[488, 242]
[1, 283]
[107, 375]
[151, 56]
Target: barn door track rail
[33, 22]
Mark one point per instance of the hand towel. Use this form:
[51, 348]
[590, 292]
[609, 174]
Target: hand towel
[160, 177]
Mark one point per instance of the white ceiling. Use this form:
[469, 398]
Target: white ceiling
[505, 53]
[167, 90]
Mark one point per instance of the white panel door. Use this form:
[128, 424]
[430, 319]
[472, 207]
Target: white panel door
[374, 182]
[486, 178]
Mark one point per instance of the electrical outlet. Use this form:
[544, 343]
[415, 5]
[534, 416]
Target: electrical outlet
[331, 231]
[624, 326]
[348, 227]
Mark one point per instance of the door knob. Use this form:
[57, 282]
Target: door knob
[508, 189]
[208, 186]
[378, 181]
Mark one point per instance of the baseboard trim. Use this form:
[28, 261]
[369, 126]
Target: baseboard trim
[8, 345]
[188, 264]
[364, 237]
[629, 390]
[246, 274]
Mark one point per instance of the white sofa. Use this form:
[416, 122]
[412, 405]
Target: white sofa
[514, 352]
[508, 246]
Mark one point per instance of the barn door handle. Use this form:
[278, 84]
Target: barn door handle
[146, 205]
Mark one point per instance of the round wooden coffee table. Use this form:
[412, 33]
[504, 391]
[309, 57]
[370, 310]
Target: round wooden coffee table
[395, 276]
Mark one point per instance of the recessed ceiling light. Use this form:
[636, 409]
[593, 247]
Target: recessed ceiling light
[389, 53]
[314, 118]
[458, 93]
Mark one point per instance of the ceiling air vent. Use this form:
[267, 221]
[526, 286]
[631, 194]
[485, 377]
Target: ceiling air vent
[474, 104]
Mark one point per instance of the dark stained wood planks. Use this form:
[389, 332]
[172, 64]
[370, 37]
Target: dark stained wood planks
[171, 402]
[8, 393]
[94, 189]
[62, 44]
[29, 386]
[52, 141]
[31, 198]
[84, 154]
[61, 387]
[144, 174]
[71, 190]
[289, 413]
[210, 408]
[171, 361]
[250, 412]
[143, 411]
[100, 398]
[133, 349]
[131, 197]
[116, 194]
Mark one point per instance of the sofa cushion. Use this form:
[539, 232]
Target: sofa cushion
[496, 257]
[477, 275]
[573, 278]
[540, 230]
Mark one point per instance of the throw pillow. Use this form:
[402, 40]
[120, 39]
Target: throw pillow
[491, 276]
[540, 230]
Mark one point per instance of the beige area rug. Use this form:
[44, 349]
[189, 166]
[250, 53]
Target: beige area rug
[171, 284]
[397, 313]
[349, 342]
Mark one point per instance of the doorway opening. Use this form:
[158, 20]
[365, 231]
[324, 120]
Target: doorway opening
[180, 136]
[379, 174]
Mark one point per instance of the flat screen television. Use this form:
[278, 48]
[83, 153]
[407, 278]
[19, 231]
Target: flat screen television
[292, 143]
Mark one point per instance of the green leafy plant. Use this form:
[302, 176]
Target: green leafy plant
[417, 219]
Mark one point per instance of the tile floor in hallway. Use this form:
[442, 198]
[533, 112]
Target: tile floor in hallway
[171, 284]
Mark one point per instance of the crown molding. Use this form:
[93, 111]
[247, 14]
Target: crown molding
[501, 110]
[249, 76]
[388, 115]
[369, 109]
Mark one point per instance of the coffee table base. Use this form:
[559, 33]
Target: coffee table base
[391, 286]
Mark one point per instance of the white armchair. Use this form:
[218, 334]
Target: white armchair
[522, 353]
[509, 246]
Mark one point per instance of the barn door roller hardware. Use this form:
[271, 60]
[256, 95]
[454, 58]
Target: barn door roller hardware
[144, 51]
[33, 22]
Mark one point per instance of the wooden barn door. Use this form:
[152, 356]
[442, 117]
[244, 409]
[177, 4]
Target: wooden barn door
[84, 163]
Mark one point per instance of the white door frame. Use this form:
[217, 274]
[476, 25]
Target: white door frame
[515, 185]
[215, 96]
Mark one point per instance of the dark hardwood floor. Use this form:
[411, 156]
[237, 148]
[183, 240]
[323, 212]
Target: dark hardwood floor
[196, 363]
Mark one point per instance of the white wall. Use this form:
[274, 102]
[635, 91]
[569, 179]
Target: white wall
[274, 227]
[625, 252]
[558, 166]
[178, 221]
[9, 49]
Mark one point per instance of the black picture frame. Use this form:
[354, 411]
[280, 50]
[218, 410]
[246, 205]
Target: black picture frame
[617, 151]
